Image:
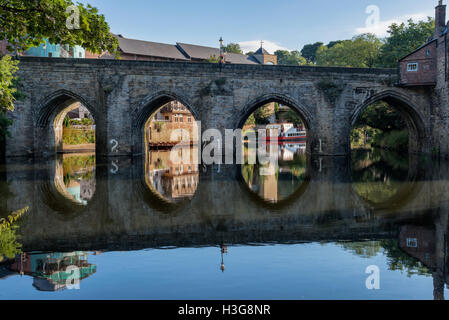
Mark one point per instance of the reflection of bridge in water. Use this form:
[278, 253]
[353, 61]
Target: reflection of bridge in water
[122, 215]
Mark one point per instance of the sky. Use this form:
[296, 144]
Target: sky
[281, 24]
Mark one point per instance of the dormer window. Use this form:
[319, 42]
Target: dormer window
[412, 67]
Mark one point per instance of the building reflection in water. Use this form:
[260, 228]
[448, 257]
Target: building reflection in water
[75, 177]
[53, 271]
[277, 180]
[173, 179]
[171, 166]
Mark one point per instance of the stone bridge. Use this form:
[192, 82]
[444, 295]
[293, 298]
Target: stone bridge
[122, 95]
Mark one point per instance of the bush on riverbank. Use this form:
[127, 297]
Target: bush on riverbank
[78, 136]
[367, 137]
[394, 140]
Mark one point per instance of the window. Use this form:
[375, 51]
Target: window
[50, 54]
[428, 53]
[412, 243]
[412, 67]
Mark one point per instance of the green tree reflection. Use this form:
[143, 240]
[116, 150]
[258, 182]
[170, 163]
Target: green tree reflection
[377, 175]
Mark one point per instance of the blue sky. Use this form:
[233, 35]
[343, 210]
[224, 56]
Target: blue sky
[281, 23]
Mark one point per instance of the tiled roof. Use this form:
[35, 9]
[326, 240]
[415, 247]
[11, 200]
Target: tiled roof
[204, 53]
[262, 51]
[147, 48]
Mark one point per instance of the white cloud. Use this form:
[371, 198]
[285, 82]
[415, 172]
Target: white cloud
[380, 29]
[253, 45]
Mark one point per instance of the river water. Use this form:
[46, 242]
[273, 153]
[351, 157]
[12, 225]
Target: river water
[372, 226]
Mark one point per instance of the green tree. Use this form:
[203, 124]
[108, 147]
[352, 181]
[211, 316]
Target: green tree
[309, 51]
[263, 114]
[382, 116]
[27, 23]
[293, 58]
[8, 68]
[333, 43]
[404, 38]
[233, 48]
[213, 59]
[362, 51]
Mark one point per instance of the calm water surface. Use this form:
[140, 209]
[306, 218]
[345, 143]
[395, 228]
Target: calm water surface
[81, 227]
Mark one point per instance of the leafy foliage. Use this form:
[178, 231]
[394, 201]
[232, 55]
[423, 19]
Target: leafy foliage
[233, 48]
[309, 51]
[360, 52]
[8, 68]
[403, 39]
[9, 245]
[293, 58]
[382, 116]
[213, 59]
[30, 22]
[78, 136]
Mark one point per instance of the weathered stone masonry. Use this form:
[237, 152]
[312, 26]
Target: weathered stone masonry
[121, 95]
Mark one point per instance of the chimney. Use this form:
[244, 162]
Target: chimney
[440, 18]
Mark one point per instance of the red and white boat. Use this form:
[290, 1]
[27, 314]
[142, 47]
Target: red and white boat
[285, 132]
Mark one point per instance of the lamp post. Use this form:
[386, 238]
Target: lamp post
[222, 54]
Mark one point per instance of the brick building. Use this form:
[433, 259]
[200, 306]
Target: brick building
[419, 68]
[163, 127]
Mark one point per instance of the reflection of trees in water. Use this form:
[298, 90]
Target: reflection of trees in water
[276, 181]
[78, 173]
[397, 259]
[377, 175]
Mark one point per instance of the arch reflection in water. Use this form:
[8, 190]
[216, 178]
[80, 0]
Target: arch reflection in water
[54, 271]
[75, 177]
[285, 131]
[171, 166]
[380, 176]
[274, 182]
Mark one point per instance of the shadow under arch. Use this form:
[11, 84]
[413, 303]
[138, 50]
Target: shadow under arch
[148, 107]
[408, 111]
[50, 115]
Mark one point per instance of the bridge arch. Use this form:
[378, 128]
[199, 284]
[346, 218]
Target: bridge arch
[255, 104]
[50, 115]
[408, 110]
[149, 106]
